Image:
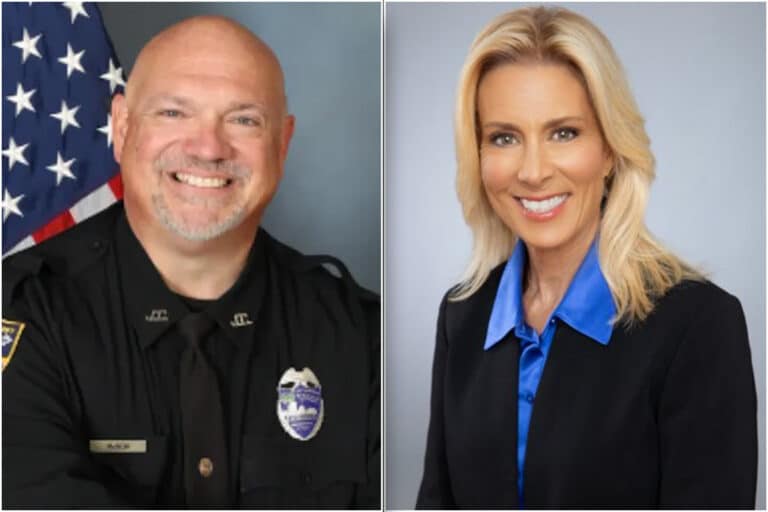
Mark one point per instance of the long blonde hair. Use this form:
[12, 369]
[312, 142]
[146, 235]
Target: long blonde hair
[637, 267]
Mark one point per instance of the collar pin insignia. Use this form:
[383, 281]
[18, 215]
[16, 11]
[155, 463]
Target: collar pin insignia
[157, 315]
[240, 320]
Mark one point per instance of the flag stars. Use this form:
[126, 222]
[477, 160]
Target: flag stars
[61, 168]
[28, 46]
[72, 60]
[66, 116]
[10, 205]
[76, 9]
[15, 154]
[114, 76]
[22, 99]
[107, 130]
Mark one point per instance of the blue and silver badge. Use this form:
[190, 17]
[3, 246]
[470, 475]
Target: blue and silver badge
[300, 403]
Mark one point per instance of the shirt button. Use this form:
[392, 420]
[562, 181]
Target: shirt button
[205, 467]
[529, 398]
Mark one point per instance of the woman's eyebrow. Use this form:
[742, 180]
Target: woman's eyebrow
[501, 125]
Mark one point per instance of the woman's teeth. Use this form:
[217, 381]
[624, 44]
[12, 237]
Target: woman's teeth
[543, 206]
[199, 181]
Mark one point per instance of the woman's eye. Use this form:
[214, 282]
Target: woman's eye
[503, 139]
[564, 134]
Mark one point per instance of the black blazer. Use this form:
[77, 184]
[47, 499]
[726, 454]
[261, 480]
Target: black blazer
[663, 416]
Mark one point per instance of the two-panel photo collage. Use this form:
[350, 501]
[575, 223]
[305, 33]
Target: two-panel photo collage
[383, 255]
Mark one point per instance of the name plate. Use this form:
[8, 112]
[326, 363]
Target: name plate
[117, 445]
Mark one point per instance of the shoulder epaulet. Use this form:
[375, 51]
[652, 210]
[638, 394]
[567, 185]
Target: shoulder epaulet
[336, 268]
[17, 268]
[63, 254]
[328, 264]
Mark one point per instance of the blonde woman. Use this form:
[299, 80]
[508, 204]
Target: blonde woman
[579, 363]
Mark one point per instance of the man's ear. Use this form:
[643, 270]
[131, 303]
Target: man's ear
[289, 123]
[119, 124]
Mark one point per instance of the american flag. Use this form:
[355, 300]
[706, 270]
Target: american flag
[59, 74]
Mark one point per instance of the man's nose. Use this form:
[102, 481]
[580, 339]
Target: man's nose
[209, 141]
[536, 167]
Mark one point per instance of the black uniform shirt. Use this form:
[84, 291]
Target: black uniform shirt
[99, 355]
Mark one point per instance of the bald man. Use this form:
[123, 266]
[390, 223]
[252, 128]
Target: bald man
[169, 352]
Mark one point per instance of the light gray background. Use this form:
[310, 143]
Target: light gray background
[329, 200]
[698, 74]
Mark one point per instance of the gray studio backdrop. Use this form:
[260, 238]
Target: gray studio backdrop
[329, 200]
[698, 74]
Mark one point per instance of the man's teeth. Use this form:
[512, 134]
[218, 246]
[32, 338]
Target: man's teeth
[199, 181]
[543, 206]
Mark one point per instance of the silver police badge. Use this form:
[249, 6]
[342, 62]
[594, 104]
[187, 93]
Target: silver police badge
[300, 403]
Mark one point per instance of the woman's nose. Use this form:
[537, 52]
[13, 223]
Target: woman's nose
[535, 167]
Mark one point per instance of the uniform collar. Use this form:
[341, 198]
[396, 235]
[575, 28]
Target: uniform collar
[587, 306]
[153, 309]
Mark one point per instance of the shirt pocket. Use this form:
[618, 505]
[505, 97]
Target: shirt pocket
[281, 472]
[143, 470]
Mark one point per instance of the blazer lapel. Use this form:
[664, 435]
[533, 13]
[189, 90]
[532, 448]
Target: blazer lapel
[482, 390]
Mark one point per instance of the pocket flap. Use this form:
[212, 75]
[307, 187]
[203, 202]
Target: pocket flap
[285, 462]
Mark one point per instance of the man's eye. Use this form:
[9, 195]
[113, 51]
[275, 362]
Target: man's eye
[247, 121]
[565, 134]
[170, 113]
[502, 139]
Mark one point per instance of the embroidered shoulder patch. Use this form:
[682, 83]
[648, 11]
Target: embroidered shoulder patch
[11, 336]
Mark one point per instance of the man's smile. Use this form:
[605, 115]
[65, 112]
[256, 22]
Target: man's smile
[201, 181]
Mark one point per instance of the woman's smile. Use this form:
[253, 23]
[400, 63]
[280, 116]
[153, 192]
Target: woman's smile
[544, 208]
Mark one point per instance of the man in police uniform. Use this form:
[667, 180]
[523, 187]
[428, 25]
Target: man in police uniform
[168, 352]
